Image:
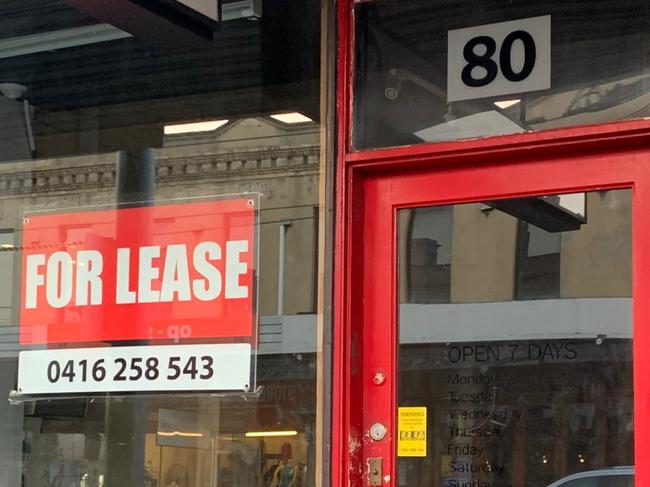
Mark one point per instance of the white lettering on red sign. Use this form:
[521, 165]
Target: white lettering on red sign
[195, 257]
[60, 277]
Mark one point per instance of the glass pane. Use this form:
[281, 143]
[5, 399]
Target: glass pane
[515, 352]
[424, 73]
[103, 110]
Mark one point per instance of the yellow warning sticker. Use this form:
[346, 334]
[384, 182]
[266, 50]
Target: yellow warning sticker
[412, 426]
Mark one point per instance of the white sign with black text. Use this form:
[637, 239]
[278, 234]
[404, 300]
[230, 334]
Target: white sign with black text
[499, 59]
[204, 367]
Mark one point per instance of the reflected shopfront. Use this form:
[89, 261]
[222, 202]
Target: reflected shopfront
[524, 368]
[101, 114]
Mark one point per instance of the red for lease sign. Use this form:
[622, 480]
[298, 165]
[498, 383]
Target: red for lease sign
[183, 270]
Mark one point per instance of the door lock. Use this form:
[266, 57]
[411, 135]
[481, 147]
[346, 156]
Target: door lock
[378, 431]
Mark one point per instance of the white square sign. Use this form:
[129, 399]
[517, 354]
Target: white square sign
[200, 367]
[499, 59]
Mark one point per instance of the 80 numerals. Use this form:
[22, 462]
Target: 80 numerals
[479, 52]
[135, 369]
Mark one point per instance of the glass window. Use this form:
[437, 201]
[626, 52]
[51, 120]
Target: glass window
[102, 110]
[523, 375]
[433, 71]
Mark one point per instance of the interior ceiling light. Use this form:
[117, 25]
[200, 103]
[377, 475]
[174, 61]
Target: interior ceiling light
[59, 39]
[291, 118]
[503, 104]
[186, 128]
[262, 434]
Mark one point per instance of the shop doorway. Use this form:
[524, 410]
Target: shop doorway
[491, 327]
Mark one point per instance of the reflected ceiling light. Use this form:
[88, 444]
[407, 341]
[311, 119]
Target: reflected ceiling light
[262, 434]
[59, 39]
[186, 128]
[503, 104]
[180, 433]
[290, 118]
[7, 246]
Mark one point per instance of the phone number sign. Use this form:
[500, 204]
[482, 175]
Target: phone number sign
[208, 367]
[154, 275]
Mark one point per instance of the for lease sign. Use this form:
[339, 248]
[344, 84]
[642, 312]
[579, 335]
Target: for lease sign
[110, 293]
[167, 271]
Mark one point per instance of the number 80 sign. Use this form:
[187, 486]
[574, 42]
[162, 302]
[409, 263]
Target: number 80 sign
[499, 59]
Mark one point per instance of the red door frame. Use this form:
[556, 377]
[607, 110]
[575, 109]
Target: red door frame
[372, 185]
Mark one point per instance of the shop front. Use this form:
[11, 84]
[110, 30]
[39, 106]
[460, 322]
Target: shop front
[292, 243]
[491, 227]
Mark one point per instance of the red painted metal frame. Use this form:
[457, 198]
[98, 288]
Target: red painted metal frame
[373, 185]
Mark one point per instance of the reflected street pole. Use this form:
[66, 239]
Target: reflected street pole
[126, 419]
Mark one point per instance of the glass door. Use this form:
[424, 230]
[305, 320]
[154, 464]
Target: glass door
[515, 343]
[492, 218]
[492, 329]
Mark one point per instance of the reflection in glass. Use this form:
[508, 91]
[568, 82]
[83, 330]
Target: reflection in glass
[401, 63]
